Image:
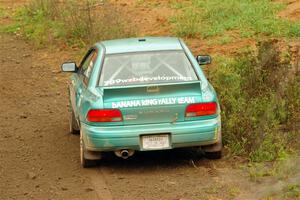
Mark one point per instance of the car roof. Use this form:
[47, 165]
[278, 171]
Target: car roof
[141, 44]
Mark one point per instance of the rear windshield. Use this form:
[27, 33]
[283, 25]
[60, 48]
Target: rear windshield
[146, 67]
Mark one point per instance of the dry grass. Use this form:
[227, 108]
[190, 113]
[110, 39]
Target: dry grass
[76, 23]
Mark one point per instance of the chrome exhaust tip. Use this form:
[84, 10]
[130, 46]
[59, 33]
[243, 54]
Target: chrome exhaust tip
[124, 153]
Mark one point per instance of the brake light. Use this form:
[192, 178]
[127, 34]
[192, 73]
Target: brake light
[105, 115]
[201, 109]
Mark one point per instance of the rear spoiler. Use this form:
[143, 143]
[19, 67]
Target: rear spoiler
[153, 89]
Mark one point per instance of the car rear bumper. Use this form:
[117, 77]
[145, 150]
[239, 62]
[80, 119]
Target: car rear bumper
[183, 134]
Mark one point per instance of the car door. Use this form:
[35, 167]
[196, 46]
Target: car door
[80, 81]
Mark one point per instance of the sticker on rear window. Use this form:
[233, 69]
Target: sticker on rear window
[153, 102]
[146, 80]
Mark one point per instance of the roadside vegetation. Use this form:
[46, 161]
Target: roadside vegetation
[260, 98]
[74, 23]
[259, 89]
[208, 18]
[2, 12]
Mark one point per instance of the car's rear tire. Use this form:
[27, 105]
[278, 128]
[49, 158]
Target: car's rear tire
[213, 155]
[73, 125]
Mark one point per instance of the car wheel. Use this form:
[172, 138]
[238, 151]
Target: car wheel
[86, 163]
[213, 155]
[73, 125]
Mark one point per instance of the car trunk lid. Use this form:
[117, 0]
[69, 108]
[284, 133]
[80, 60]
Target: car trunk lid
[163, 103]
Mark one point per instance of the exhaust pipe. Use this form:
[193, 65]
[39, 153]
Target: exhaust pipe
[124, 153]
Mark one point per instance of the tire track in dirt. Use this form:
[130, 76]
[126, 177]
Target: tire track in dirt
[99, 183]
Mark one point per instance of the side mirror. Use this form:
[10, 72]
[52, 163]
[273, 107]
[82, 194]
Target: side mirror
[69, 67]
[203, 59]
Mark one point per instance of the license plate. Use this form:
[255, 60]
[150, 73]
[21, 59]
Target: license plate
[153, 142]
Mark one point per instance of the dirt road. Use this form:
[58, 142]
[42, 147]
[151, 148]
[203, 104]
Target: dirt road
[38, 159]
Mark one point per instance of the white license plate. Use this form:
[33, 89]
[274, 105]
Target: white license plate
[153, 142]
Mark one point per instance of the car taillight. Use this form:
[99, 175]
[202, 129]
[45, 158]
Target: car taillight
[201, 109]
[105, 115]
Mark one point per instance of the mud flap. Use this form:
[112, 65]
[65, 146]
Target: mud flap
[92, 155]
[214, 147]
[86, 154]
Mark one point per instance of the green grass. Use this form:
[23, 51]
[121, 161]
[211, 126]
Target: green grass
[8, 28]
[176, 4]
[222, 40]
[292, 191]
[207, 18]
[14, 28]
[259, 170]
[2, 12]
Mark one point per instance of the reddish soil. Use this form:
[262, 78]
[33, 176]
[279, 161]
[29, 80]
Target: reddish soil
[292, 12]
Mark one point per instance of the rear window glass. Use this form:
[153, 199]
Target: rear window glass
[146, 67]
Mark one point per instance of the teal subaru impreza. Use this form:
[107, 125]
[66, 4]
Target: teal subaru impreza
[142, 94]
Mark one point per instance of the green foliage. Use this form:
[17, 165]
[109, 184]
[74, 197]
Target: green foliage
[176, 4]
[7, 28]
[2, 12]
[188, 24]
[284, 169]
[259, 170]
[271, 148]
[260, 101]
[292, 191]
[34, 25]
[73, 22]
[293, 103]
[14, 28]
[294, 29]
[205, 18]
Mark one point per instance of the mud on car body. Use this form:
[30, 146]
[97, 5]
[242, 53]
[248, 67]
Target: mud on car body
[144, 94]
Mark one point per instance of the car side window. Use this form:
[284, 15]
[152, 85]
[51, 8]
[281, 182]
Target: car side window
[87, 66]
